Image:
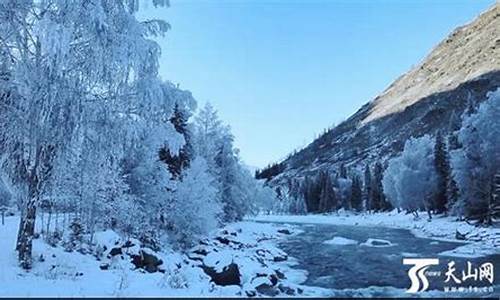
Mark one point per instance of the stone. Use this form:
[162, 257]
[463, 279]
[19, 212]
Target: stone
[287, 290]
[116, 251]
[279, 258]
[267, 290]
[128, 244]
[280, 274]
[223, 240]
[251, 293]
[284, 231]
[146, 261]
[230, 275]
[460, 236]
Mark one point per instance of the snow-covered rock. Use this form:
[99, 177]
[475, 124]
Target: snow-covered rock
[377, 243]
[341, 241]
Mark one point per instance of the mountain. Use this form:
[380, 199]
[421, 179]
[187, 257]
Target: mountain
[431, 97]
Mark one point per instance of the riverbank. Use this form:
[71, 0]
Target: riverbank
[478, 241]
[241, 259]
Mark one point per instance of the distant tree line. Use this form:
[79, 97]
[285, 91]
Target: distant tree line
[270, 171]
[331, 190]
[454, 173]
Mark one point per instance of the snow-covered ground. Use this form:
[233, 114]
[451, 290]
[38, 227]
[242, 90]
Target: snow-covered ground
[208, 269]
[263, 268]
[479, 241]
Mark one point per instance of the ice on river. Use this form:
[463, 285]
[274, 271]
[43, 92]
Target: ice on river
[341, 241]
[377, 243]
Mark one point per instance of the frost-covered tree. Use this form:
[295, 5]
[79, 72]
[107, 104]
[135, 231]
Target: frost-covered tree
[410, 178]
[478, 161]
[327, 196]
[84, 117]
[196, 209]
[312, 193]
[215, 143]
[64, 60]
[296, 200]
[344, 192]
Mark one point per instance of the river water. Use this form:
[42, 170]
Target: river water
[359, 266]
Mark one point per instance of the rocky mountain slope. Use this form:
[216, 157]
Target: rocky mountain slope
[431, 97]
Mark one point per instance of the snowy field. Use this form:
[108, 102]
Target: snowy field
[263, 269]
[207, 269]
[479, 241]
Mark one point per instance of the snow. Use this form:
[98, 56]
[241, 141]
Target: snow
[469, 251]
[253, 246]
[378, 243]
[72, 274]
[480, 240]
[341, 241]
[409, 254]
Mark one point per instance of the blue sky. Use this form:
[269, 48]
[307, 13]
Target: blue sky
[280, 71]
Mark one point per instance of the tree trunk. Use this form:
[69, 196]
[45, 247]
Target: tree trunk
[56, 228]
[27, 226]
[49, 220]
[26, 233]
[43, 220]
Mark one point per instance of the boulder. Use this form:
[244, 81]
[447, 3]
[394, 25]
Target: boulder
[281, 257]
[460, 236]
[116, 251]
[251, 293]
[267, 290]
[284, 231]
[377, 243]
[128, 244]
[380, 243]
[271, 254]
[146, 261]
[286, 290]
[280, 274]
[223, 240]
[201, 251]
[230, 275]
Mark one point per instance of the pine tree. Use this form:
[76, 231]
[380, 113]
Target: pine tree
[356, 194]
[368, 188]
[443, 171]
[177, 163]
[378, 198]
[297, 202]
[324, 194]
[306, 191]
[453, 127]
[343, 171]
[494, 206]
[452, 193]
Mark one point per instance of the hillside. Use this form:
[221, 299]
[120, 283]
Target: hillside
[431, 97]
